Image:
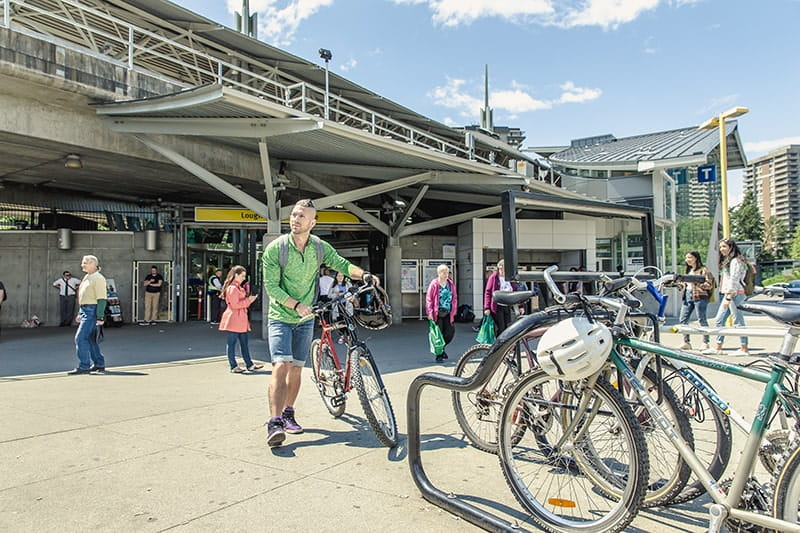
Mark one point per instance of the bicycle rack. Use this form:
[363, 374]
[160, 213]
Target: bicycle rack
[482, 375]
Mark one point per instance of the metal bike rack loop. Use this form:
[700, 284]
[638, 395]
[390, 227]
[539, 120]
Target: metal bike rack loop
[482, 375]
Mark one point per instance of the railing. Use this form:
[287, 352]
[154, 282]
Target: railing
[179, 55]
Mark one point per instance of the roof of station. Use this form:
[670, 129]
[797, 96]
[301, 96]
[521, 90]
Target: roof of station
[674, 148]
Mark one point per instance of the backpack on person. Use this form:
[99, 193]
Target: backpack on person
[749, 281]
[283, 257]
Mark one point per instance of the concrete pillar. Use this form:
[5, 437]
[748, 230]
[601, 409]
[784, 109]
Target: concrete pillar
[394, 277]
[268, 238]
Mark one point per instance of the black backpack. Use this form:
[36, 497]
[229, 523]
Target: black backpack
[464, 313]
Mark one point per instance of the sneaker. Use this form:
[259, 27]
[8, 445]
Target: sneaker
[144, 323]
[275, 433]
[711, 351]
[153, 323]
[96, 368]
[289, 423]
[255, 366]
[76, 371]
[740, 353]
[237, 370]
[439, 359]
[685, 346]
[444, 355]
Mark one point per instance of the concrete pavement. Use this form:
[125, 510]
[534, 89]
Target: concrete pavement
[168, 439]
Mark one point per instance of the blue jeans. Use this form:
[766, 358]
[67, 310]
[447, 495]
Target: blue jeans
[243, 342]
[87, 349]
[690, 305]
[290, 343]
[738, 317]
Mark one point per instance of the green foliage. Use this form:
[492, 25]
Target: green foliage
[746, 221]
[775, 238]
[693, 235]
[795, 248]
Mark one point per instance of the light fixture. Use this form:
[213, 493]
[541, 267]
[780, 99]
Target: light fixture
[73, 161]
[326, 56]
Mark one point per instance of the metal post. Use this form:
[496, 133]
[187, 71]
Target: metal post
[723, 177]
[130, 48]
[327, 88]
[7, 13]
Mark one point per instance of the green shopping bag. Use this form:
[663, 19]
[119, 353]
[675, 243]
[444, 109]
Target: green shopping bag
[435, 338]
[486, 333]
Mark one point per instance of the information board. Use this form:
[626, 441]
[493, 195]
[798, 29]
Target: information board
[409, 275]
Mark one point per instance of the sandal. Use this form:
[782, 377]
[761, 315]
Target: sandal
[254, 367]
[237, 370]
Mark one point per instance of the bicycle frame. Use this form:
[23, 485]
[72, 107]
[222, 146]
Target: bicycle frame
[327, 339]
[774, 388]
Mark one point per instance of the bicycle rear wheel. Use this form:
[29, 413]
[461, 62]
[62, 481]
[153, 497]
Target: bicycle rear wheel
[328, 378]
[786, 503]
[557, 482]
[374, 398]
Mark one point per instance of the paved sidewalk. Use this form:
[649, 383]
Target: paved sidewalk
[168, 439]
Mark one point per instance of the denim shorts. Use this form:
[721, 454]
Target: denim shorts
[290, 343]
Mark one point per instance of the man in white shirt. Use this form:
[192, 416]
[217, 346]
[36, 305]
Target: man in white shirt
[325, 284]
[67, 289]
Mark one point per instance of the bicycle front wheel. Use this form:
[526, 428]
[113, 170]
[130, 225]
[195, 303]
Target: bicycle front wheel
[786, 503]
[375, 399]
[555, 475]
[328, 378]
[478, 411]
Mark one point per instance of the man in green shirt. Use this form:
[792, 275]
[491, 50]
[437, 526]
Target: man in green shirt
[292, 291]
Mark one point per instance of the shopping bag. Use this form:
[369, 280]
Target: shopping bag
[435, 338]
[486, 333]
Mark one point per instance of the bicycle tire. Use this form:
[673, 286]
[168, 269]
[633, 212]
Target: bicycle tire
[669, 472]
[713, 436]
[327, 378]
[558, 487]
[374, 398]
[786, 500]
[478, 411]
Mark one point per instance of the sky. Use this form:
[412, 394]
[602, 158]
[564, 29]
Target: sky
[558, 69]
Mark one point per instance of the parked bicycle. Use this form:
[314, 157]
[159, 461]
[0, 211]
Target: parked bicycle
[334, 379]
[582, 438]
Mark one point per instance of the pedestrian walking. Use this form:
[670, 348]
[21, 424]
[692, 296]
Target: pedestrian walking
[92, 296]
[67, 287]
[290, 267]
[441, 302]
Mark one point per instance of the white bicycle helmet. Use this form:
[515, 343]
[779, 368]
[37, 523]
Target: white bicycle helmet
[574, 348]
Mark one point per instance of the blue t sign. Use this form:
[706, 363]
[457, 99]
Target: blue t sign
[706, 173]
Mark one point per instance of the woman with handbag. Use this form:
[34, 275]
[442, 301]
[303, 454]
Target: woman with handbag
[234, 319]
[441, 302]
[695, 296]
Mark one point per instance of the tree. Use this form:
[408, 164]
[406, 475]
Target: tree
[746, 220]
[775, 238]
[795, 249]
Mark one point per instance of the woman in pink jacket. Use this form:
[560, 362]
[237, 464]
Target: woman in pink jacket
[441, 303]
[234, 319]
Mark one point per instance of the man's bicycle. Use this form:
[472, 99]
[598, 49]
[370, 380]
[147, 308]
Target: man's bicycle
[333, 378]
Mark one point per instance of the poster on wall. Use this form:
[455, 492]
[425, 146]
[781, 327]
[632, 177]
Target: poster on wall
[409, 275]
[429, 267]
[449, 250]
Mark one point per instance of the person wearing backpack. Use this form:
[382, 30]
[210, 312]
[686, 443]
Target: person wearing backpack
[695, 296]
[733, 267]
[290, 267]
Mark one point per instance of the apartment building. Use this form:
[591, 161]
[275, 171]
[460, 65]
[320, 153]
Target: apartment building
[775, 180]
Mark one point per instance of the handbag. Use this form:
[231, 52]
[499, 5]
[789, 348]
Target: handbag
[486, 333]
[435, 338]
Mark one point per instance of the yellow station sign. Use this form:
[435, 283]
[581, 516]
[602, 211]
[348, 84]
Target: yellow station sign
[245, 216]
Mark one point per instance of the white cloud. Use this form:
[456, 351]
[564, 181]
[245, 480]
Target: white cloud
[350, 64]
[607, 14]
[278, 20]
[457, 12]
[758, 148]
[455, 95]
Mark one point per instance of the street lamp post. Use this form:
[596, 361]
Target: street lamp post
[719, 122]
[327, 56]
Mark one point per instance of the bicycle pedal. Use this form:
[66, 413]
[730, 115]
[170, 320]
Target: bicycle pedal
[338, 401]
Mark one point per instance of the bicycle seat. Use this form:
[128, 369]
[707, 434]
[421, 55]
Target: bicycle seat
[788, 314]
[512, 297]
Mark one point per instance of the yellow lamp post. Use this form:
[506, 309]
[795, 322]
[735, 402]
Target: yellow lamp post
[719, 122]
